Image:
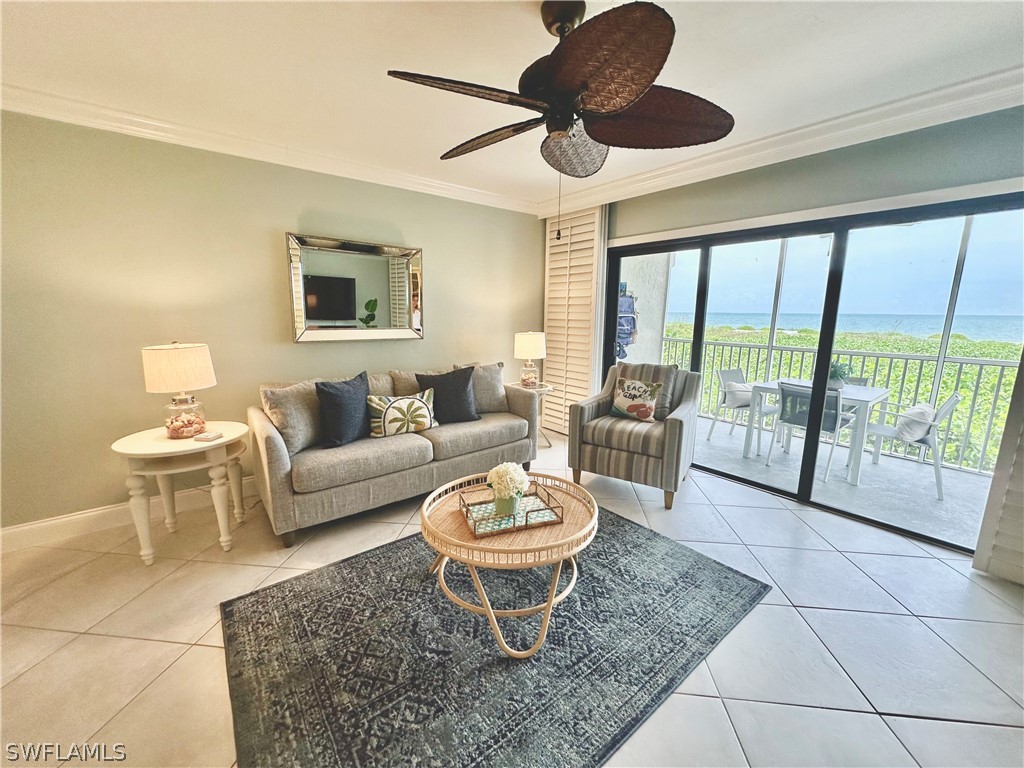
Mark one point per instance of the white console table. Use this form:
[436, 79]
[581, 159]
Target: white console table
[151, 452]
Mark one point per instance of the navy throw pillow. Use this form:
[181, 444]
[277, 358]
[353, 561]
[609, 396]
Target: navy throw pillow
[344, 415]
[453, 395]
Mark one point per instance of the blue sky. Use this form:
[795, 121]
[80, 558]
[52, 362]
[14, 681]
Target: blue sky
[889, 270]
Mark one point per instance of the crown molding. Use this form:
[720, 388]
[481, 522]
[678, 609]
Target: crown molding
[51, 106]
[990, 93]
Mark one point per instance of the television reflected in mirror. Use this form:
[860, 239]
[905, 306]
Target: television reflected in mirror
[328, 299]
[346, 290]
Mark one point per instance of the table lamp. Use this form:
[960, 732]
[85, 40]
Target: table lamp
[529, 346]
[178, 368]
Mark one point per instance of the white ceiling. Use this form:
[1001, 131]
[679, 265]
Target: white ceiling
[304, 84]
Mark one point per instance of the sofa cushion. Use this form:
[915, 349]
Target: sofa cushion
[404, 382]
[317, 469]
[344, 416]
[488, 387]
[491, 430]
[453, 395]
[626, 435]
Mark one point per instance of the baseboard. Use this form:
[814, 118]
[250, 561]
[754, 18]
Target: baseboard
[53, 529]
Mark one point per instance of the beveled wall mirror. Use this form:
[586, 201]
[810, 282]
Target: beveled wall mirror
[345, 290]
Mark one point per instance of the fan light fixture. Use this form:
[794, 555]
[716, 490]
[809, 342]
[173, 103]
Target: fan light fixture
[596, 90]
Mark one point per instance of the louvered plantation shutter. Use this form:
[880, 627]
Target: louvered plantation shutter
[398, 291]
[573, 293]
[1000, 549]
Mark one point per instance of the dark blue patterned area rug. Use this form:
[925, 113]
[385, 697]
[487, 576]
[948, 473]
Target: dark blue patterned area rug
[366, 662]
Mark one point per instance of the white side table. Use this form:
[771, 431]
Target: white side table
[153, 453]
[541, 389]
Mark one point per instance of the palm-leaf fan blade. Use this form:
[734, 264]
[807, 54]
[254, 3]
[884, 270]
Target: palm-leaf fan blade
[612, 59]
[471, 89]
[574, 154]
[493, 137]
[661, 119]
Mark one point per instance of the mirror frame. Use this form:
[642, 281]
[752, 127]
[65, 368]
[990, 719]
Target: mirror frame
[296, 243]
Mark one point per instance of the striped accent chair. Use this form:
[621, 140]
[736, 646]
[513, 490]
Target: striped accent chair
[658, 454]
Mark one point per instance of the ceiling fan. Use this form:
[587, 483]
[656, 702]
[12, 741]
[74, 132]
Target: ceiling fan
[596, 90]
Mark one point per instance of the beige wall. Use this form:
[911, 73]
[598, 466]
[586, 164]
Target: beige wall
[111, 243]
[647, 278]
[972, 151]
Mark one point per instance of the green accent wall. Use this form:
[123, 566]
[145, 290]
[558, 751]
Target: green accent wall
[979, 149]
[111, 243]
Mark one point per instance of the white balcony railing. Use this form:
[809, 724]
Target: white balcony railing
[971, 437]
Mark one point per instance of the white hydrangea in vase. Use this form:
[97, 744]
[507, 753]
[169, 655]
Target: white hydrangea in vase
[509, 482]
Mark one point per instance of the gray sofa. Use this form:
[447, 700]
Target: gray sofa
[302, 484]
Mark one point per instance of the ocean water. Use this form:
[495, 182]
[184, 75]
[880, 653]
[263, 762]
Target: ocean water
[976, 327]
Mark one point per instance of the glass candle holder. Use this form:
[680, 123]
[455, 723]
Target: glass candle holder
[184, 417]
[529, 375]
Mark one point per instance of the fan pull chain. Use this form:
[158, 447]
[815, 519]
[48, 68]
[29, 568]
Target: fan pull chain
[558, 221]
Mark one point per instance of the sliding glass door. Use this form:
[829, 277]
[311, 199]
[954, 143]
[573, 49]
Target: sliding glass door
[929, 335]
[813, 341]
[764, 309]
[683, 274]
[656, 295]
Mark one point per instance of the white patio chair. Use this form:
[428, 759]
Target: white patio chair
[794, 407]
[736, 376]
[880, 430]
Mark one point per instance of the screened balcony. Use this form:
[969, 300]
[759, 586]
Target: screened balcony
[899, 490]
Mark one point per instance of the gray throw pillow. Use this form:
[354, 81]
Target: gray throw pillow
[381, 384]
[295, 411]
[453, 395]
[488, 387]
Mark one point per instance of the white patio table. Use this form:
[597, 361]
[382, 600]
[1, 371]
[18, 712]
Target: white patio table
[861, 397]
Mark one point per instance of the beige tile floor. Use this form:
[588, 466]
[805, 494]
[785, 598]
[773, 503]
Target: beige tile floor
[871, 649]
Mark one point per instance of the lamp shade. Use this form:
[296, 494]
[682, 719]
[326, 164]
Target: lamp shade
[530, 346]
[177, 367]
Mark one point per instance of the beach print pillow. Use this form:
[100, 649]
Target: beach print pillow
[635, 399]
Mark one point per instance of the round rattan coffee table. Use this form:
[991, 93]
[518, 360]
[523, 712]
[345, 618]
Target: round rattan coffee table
[446, 529]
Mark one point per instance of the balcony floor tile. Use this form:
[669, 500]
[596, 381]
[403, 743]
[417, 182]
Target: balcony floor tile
[897, 491]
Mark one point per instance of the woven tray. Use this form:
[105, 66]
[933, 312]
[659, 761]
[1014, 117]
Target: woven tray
[537, 507]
